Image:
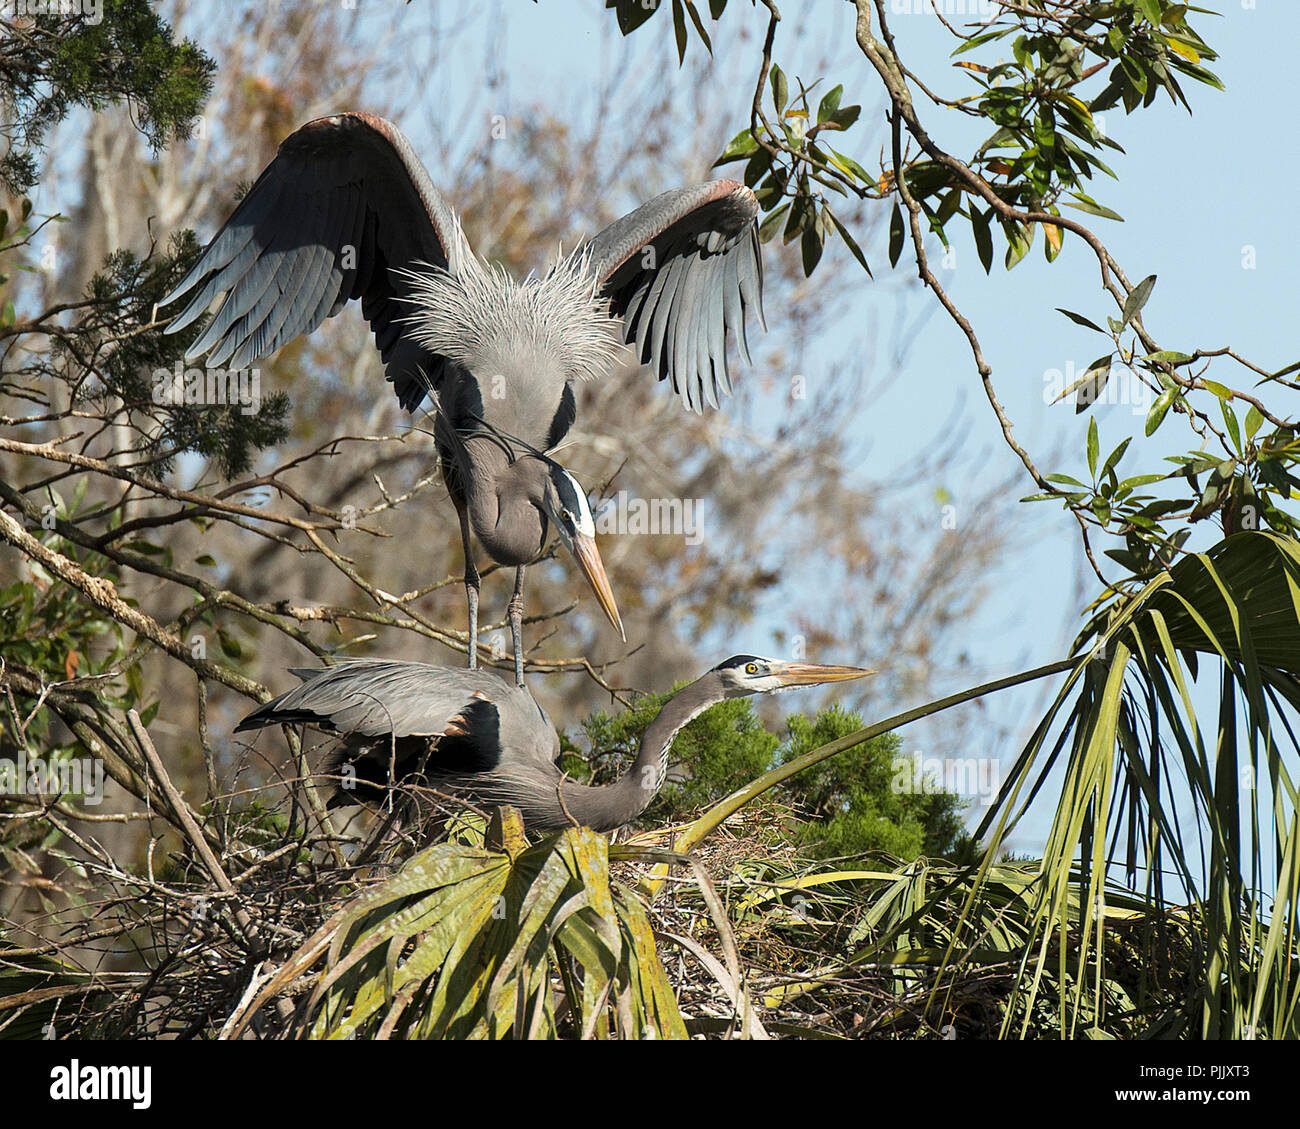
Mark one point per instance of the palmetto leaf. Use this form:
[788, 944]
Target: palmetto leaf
[1190, 833]
[1137, 760]
[468, 942]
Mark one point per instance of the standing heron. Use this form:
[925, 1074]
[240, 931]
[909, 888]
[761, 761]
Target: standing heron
[471, 732]
[346, 210]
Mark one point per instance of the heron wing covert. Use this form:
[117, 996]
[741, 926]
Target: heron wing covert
[378, 697]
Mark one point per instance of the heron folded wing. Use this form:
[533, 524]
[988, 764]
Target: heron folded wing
[379, 697]
[681, 270]
[346, 210]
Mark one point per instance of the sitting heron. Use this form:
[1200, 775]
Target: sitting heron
[346, 210]
[473, 733]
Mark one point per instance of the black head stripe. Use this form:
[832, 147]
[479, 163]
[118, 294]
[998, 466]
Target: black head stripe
[739, 662]
[564, 488]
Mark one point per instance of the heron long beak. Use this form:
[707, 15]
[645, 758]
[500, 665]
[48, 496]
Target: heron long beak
[584, 549]
[810, 674]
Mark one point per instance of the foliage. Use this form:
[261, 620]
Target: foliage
[879, 948]
[124, 296]
[1045, 106]
[1046, 137]
[1126, 739]
[50, 64]
[32, 988]
[865, 800]
[465, 941]
[873, 798]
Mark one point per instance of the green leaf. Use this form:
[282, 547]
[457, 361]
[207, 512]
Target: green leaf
[740, 146]
[844, 117]
[631, 14]
[1131, 484]
[1019, 241]
[1254, 421]
[146, 547]
[895, 235]
[849, 241]
[979, 223]
[767, 229]
[801, 212]
[1112, 460]
[1157, 413]
[1087, 204]
[699, 25]
[679, 30]
[1137, 298]
[757, 167]
[1079, 319]
[229, 644]
[810, 247]
[1093, 443]
[780, 90]
[1090, 386]
[1230, 421]
[1125, 559]
[979, 40]
[830, 103]
[850, 166]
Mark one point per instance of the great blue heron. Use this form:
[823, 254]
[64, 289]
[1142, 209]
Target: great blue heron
[471, 732]
[346, 210]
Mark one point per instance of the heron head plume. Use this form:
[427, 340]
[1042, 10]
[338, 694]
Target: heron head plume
[484, 320]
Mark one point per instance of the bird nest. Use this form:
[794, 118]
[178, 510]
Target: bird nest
[754, 939]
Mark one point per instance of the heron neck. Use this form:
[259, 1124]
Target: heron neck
[504, 500]
[605, 808]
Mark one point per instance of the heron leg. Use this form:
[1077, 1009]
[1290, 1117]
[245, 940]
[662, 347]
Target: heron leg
[516, 612]
[471, 586]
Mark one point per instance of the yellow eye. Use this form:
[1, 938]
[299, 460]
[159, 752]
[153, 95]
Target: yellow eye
[751, 668]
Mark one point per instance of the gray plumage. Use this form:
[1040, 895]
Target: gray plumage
[346, 210]
[471, 732]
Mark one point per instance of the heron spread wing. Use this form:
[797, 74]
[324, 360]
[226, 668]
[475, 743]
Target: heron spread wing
[344, 211]
[681, 270]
